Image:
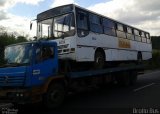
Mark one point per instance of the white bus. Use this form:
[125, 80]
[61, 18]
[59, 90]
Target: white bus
[85, 36]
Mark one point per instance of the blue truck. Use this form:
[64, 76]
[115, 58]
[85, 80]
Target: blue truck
[34, 73]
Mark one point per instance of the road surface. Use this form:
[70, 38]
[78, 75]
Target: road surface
[142, 98]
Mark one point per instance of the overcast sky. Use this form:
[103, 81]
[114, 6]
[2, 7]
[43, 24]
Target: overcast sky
[15, 15]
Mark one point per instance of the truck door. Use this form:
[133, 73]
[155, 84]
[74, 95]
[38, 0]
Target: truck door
[45, 63]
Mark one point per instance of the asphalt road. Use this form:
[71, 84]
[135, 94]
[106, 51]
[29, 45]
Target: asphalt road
[143, 98]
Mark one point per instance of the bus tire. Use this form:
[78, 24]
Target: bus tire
[99, 61]
[54, 96]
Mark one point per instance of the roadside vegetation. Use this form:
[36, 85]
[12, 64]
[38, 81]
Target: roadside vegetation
[154, 63]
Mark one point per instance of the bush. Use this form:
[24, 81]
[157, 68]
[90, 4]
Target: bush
[155, 62]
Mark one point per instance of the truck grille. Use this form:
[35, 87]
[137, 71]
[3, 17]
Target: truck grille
[12, 80]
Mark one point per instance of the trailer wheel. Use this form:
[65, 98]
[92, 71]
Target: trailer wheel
[54, 96]
[133, 77]
[99, 60]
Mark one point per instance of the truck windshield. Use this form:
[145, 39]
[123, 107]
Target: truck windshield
[18, 54]
[62, 26]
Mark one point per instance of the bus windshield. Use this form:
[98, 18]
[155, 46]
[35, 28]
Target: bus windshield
[57, 27]
[18, 54]
[64, 26]
[44, 28]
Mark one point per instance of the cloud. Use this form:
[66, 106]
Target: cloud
[18, 24]
[2, 2]
[3, 15]
[32, 2]
[5, 4]
[62, 2]
[139, 13]
[15, 23]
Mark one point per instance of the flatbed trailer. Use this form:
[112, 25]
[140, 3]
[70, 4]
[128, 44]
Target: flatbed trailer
[106, 71]
[124, 75]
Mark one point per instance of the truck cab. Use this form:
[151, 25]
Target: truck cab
[27, 68]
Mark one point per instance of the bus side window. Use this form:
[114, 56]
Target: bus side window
[82, 24]
[109, 27]
[120, 31]
[137, 35]
[82, 21]
[129, 33]
[95, 23]
[143, 37]
[148, 38]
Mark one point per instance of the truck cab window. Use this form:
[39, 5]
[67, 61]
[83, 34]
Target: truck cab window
[38, 55]
[47, 53]
[44, 53]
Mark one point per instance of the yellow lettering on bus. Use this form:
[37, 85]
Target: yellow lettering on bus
[124, 43]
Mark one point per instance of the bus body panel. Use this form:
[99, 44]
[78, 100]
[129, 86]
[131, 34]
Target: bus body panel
[86, 47]
[64, 47]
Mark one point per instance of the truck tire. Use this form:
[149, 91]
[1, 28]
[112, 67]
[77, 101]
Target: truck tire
[54, 96]
[123, 79]
[139, 58]
[133, 77]
[99, 61]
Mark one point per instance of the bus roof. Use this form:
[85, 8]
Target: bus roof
[107, 17]
[74, 5]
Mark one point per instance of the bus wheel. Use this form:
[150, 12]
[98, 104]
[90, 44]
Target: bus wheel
[99, 60]
[54, 96]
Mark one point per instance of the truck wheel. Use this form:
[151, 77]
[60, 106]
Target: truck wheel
[133, 77]
[139, 58]
[54, 96]
[99, 60]
[123, 79]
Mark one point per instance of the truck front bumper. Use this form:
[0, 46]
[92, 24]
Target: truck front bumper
[21, 96]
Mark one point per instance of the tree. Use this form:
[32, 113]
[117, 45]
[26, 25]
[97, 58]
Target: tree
[7, 39]
[21, 39]
[156, 42]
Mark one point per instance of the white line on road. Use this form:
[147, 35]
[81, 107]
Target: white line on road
[143, 87]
